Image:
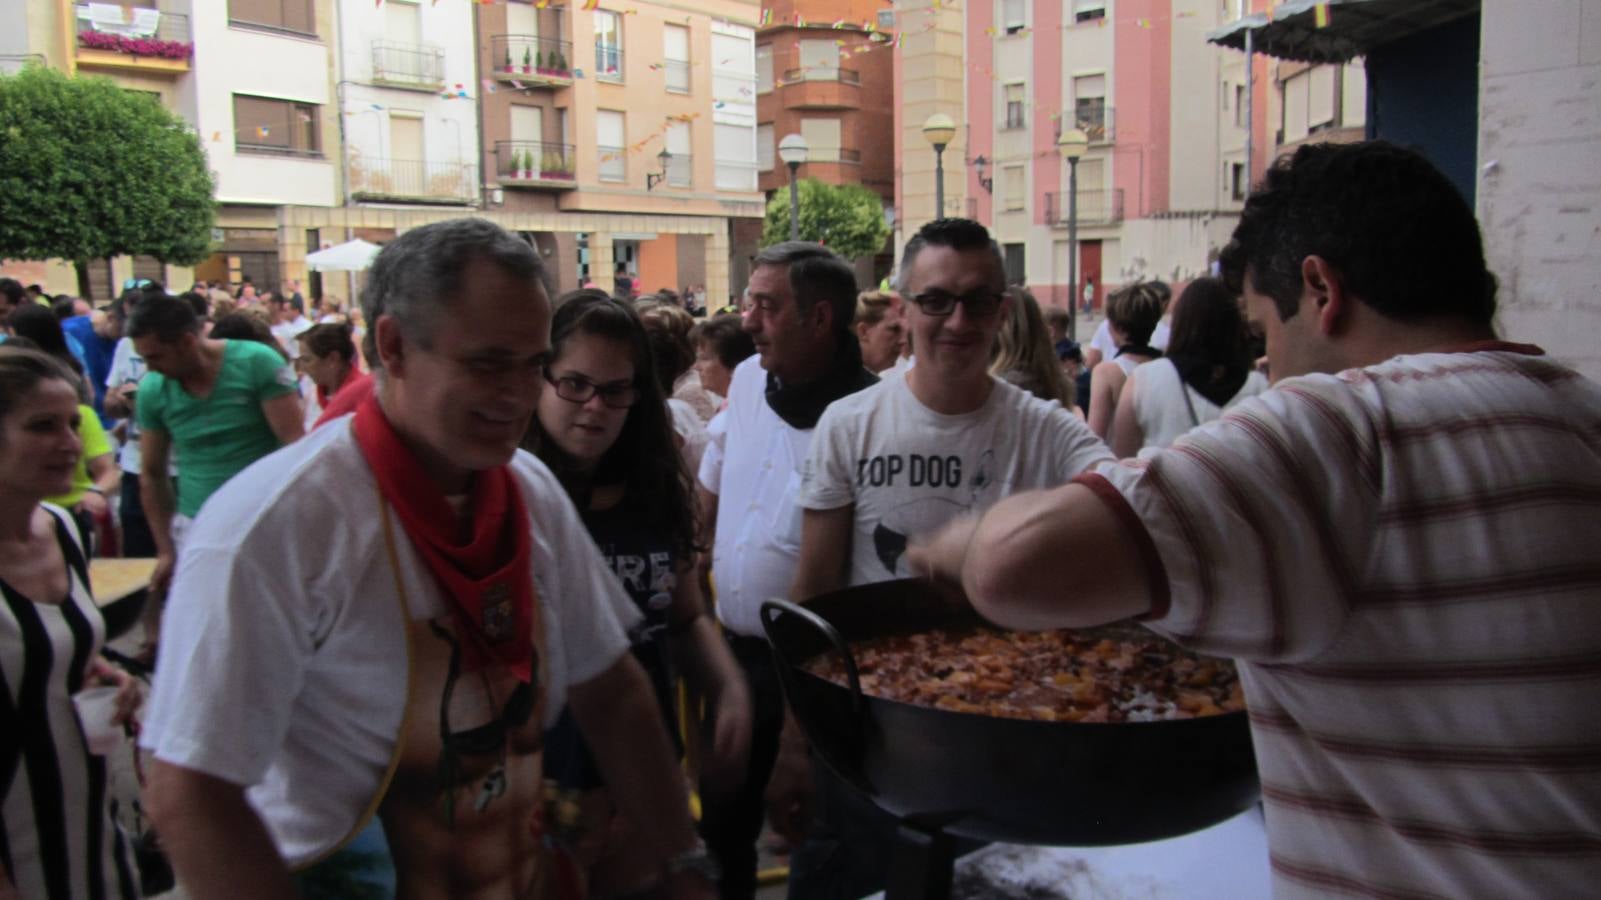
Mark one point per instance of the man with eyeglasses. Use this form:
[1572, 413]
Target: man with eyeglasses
[903, 458]
[798, 312]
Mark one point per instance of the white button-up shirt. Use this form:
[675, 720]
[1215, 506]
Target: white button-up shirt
[755, 472]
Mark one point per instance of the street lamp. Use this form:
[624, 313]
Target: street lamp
[980, 165]
[938, 129]
[1072, 145]
[652, 178]
[792, 150]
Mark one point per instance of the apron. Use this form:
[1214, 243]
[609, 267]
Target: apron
[462, 795]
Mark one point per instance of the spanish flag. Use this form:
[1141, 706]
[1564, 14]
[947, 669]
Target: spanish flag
[1320, 15]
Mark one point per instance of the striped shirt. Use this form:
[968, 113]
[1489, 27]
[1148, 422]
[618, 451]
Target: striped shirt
[58, 838]
[1403, 558]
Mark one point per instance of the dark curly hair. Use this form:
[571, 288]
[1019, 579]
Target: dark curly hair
[1404, 240]
[645, 458]
[725, 337]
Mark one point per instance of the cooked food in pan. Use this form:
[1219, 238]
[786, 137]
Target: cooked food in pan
[1117, 673]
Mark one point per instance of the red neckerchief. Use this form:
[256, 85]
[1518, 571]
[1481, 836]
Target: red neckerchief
[487, 580]
[352, 375]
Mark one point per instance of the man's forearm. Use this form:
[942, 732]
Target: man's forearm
[619, 718]
[218, 846]
[155, 491]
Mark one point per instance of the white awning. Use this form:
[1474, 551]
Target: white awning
[351, 256]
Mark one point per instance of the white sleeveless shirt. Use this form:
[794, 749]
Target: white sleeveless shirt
[1160, 408]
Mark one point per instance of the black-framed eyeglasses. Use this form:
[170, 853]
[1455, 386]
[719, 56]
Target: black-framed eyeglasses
[978, 304]
[578, 389]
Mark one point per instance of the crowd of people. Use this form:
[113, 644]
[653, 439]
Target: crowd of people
[461, 589]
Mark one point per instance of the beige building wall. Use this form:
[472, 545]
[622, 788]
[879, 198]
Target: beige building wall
[933, 79]
[1539, 200]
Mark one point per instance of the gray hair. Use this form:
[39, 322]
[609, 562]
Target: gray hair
[417, 274]
[816, 273]
[957, 234]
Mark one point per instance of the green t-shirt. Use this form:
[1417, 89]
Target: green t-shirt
[95, 443]
[219, 436]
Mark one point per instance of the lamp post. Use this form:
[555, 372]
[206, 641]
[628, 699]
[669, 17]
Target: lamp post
[1072, 145]
[938, 129]
[792, 150]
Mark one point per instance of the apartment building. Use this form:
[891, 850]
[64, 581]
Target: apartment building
[144, 46]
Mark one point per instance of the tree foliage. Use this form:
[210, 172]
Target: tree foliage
[89, 170]
[847, 218]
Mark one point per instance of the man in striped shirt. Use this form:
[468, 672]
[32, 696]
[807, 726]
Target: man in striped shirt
[1400, 555]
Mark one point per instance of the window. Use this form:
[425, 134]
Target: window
[402, 22]
[819, 61]
[1320, 98]
[608, 46]
[735, 149]
[522, 20]
[264, 125]
[1237, 180]
[1014, 15]
[1089, 105]
[1014, 105]
[680, 166]
[611, 143]
[675, 57]
[1013, 182]
[1239, 106]
[822, 139]
[1016, 270]
[405, 136]
[1088, 10]
[766, 147]
[298, 16]
[764, 68]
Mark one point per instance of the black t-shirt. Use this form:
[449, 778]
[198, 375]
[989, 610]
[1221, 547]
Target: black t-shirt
[643, 559]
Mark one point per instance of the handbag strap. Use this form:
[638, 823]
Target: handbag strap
[1184, 389]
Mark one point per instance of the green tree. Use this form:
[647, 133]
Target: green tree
[847, 218]
[90, 171]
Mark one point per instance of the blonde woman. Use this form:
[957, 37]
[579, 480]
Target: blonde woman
[880, 328]
[1131, 313]
[1023, 353]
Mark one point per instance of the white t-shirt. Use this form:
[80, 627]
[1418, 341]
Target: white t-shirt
[1160, 408]
[283, 662]
[127, 367]
[1102, 340]
[908, 470]
[691, 430]
[756, 477]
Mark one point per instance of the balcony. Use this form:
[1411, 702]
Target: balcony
[677, 75]
[613, 163]
[525, 59]
[1094, 207]
[410, 181]
[535, 165]
[822, 88]
[680, 170]
[609, 63]
[412, 67]
[129, 38]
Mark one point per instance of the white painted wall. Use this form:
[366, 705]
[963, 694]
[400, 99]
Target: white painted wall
[1171, 249]
[231, 60]
[1539, 151]
[450, 129]
[1198, 127]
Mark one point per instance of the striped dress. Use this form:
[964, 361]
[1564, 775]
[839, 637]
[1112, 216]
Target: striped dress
[58, 839]
[1404, 558]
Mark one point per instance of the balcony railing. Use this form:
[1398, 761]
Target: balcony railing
[136, 31]
[411, 180]
[527, 57]
[415, 66]
[1094, 207]
[613, 163]
[609, 63]
[820, 73]
[535, 164]
[736, 176]
[677, 71]
[680, 170]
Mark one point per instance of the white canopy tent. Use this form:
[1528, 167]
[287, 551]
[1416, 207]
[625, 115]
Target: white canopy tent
[351, 256]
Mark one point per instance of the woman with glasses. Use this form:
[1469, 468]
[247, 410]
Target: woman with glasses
[603, 428]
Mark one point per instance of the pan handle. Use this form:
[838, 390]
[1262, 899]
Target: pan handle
[774, 609]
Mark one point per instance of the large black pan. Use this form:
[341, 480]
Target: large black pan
[1055, 783]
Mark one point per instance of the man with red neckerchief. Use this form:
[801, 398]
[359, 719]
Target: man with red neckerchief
[1396, 544]
[378, 625]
